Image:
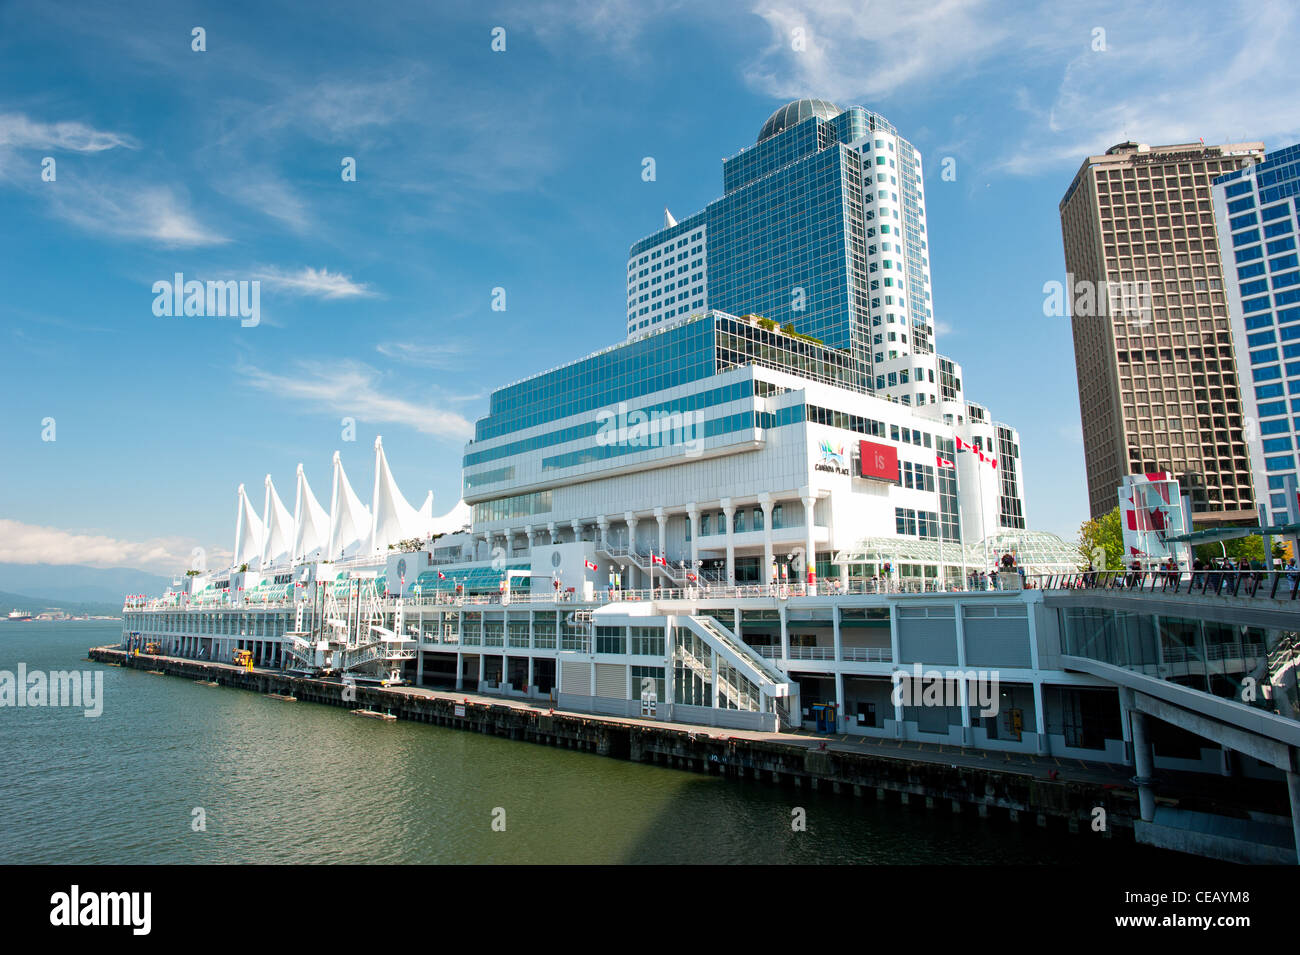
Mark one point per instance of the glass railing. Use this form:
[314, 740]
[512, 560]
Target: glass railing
[1245, 583]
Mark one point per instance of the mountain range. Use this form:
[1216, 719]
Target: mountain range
[65, 584]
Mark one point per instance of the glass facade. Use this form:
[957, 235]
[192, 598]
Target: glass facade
[673, 356]
[1261, 234]
[821, 226]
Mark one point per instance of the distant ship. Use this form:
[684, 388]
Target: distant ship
[19, 615]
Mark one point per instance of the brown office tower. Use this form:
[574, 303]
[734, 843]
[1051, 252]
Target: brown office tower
[1158, 388]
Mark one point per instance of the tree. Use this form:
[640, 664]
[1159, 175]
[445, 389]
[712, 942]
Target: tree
[1101, 542]
[1251, 548]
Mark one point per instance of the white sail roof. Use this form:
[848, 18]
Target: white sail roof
[248, 531]
[394, 518]
[456, 519]
[349, 518]
[278, 528]
[311, 523]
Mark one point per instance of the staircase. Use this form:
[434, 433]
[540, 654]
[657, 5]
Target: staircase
[767, 681]
[644, 562]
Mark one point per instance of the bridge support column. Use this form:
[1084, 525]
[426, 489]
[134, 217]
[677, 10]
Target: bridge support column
[1293, 791]
[1143, 764]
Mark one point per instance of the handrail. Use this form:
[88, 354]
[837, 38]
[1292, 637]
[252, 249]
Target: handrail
[1245, 583]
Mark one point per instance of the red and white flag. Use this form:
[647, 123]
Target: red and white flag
[943, 462]
[655, 559]
[690, 577]
[590, 565]
[441, 575]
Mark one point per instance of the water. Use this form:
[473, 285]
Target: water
[296, 782]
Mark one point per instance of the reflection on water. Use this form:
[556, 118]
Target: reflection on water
[294, 782]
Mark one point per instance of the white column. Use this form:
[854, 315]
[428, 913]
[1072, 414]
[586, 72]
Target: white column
[602, 523]
[765, 502]
[810, 558]
[729, 512]
[554, 532]
[693, 512]
[662, 520]
[577, 530]
[632, 521]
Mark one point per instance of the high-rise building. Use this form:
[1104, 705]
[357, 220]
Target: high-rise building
[1158, 388]
[1256, 211]
[821, 226]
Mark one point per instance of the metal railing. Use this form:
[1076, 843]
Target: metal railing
[812, 653]
[1250, 584]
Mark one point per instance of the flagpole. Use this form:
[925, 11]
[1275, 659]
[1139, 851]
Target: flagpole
[956, 483]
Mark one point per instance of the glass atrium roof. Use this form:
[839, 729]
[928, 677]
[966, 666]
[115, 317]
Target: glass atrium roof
[1037, 551]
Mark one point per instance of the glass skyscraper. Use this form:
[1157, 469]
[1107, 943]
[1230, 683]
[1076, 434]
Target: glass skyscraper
[1256, 210]
[821, 226]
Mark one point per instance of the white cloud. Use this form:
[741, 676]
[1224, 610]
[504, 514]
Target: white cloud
[354, 389]
[319, 283]
[19, 131]
[92, 201]
[442, 355]
[1216, 76]
[33, 544]
[853, 51]
[152, 213]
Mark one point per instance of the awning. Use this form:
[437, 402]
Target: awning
[1212, 535]
[475, 579]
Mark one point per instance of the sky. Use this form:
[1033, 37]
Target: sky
[124, 434]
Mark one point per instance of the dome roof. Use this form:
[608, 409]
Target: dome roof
[794, 112]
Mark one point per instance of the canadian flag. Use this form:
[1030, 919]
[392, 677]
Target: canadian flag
[943, 462]
[441, 575]
[987, 459]
[590, 565]
[655, 559]
[690, 577]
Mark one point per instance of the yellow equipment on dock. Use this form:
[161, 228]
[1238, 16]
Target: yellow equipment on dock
[244, 658]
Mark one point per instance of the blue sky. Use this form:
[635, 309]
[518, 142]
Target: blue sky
[519, 169]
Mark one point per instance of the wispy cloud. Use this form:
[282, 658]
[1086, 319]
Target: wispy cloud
[19, 131]
[125, 207]
[1152, 85]
[847, 50]
[34, 544]
[315, 283]
[156, 214]
[442, 355]
[356, 389]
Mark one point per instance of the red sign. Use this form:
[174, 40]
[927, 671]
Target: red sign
[879, 461]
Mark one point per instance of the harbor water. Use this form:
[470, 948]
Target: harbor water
[173, 771]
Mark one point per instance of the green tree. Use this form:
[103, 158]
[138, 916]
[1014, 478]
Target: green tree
[1099, 537]
[1251, 548]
